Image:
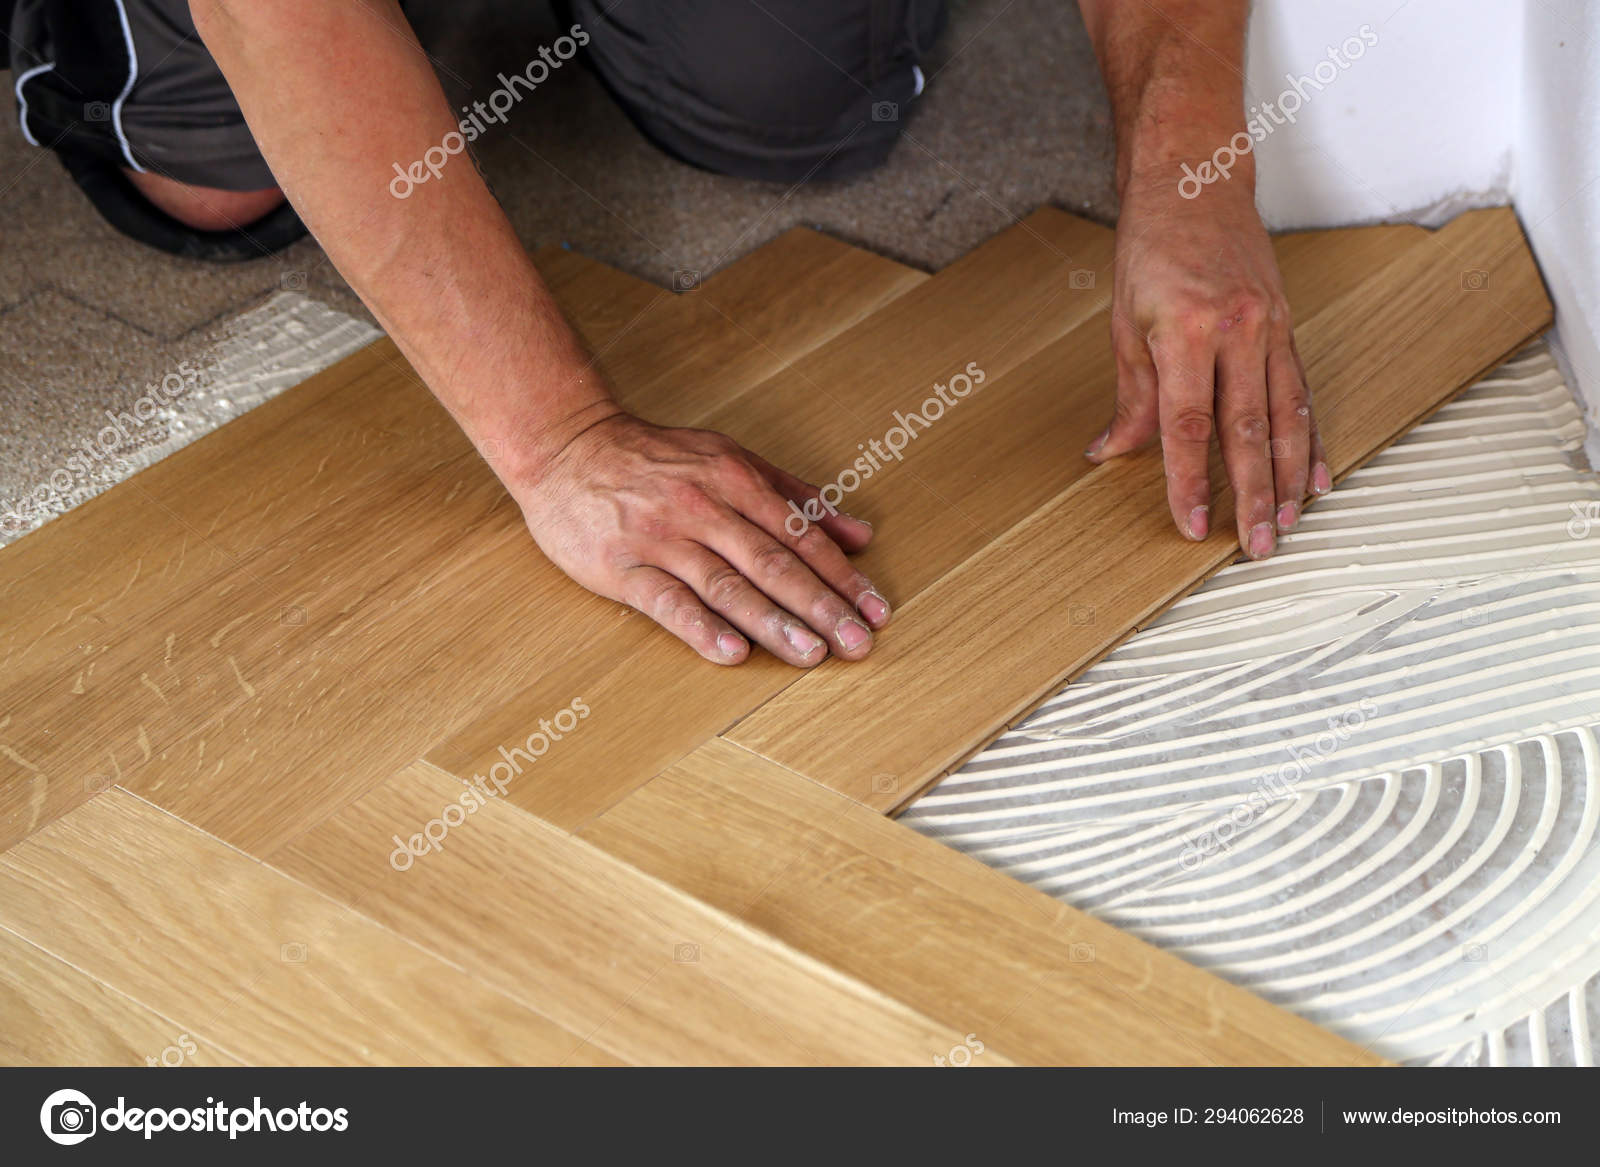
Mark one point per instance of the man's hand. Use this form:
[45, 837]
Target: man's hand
[1204, 343]
[696, 532]
[684, 525]
[1200, 326]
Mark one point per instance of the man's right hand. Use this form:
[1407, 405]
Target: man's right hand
[693, 530]
[684, 525]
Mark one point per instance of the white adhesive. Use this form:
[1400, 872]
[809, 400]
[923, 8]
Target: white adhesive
[265, 351]
[1420, 873]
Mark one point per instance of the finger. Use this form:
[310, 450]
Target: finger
[814, 545]
[1289, 411]
[784, 573]
[1244, 430]
[731, 593]
[1321, 474]
[847, 531]
[672, 604]
[1137, 416]
[1185, 368]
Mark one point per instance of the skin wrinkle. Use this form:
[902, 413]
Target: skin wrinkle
[1218, 338]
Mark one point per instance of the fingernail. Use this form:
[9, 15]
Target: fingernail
[1260, 545]
[851, 635]
[801, 640]
[1095, 446]
[1288, 516]
[1199, 522]
[1321, 480]
[875, 608]
[729, 644]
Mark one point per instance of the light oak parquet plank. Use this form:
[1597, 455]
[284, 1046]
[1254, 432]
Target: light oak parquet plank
[247, 960]
[362, 421]
[1008, 622]
[55, 1015]
[1017, 289]
[935, 928]
[987, 464]
[636, 966]
[258, 729]
[255, 603]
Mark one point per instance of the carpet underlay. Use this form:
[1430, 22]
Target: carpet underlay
[1361, 778]
[264, 351]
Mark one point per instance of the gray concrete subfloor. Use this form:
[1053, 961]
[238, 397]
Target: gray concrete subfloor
[1014, 116]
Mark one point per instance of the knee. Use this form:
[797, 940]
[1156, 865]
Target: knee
[205, 208]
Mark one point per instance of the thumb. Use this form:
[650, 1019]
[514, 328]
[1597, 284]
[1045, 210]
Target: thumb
[1137, 418]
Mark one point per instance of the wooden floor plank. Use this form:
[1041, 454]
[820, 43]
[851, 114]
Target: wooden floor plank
[1004, 306]
[280, 577]
[56, 1015]
[937, 929]
[636, 966]
[258, 634]
[1007, 449]
[246, 959]
[1101, 558]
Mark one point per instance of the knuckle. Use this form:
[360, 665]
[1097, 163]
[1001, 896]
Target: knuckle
[1251, 427]
[1192, 326]
[655, 598]
[1253, 309]
[723, 586]
[811, 542]
[1191, 423]
[1295, 402]
[686, 497]
[735, 473]
[773, 560]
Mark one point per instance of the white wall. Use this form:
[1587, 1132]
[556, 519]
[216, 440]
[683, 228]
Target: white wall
[1556, 182]
[1459, 104]
[1419, 127]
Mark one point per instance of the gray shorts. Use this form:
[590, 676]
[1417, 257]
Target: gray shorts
[784, 91]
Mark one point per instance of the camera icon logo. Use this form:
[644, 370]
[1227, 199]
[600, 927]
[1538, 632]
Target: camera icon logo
[1080, 279]
[685, 280]
[293, 281]
[67, 1117]
[885, 111]
[1475, 280]
[96, 111]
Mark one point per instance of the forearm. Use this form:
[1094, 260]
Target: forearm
[335, 96]
[1175, 73]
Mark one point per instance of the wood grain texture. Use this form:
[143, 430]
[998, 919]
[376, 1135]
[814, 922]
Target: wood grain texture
[247, 960]
[54, 1015]
[1063, 586]
[637, 966]
[1004, 451]
[984, 466]
[280, 581]
[936, 929]
[251, 644]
